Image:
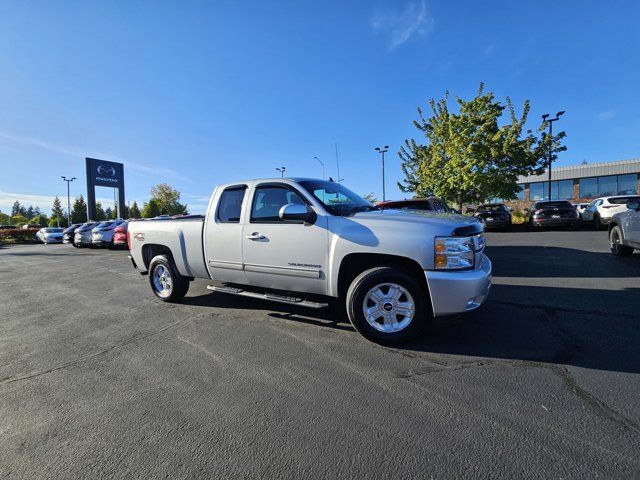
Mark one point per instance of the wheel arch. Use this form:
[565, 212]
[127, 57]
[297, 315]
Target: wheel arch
[354, 264]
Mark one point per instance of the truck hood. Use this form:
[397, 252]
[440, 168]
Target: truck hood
[439, 221]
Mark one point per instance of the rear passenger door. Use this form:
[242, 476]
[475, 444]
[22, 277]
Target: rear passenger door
[223, 236]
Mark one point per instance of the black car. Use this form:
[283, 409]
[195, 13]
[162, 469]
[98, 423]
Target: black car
[67, 235]
[553, 213]
[494, 215]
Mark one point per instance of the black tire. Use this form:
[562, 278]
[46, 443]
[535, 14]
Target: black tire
[172, 290]
[617, 248]
[381, 277]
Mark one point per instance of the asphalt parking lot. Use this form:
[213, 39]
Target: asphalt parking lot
[98, 379]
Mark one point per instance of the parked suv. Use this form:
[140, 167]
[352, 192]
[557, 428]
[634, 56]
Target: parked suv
[553, 213]
[494, 215]
[602, 209]
[624, 230]
[82, 234]
[102, 234]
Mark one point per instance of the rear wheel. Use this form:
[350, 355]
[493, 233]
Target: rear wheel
[387, 306]
[615, 240]
[166, 283]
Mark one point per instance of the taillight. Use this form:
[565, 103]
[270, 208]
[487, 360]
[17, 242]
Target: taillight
[128, 240]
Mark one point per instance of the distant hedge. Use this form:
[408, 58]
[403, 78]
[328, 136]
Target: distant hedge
[18, 235]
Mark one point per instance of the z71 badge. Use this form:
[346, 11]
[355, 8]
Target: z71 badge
[138, 236]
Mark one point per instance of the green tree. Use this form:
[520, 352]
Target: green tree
[151, 209]
[134, 211]
[19, 220]
[371, 197]
[41, 220]
[18, 209]
[4, 219]
[79, 210]
[469, 156]
[168, 200]
[110, 214]
[56, 209]
[100, 214]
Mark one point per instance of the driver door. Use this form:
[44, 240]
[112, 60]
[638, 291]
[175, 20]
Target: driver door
[284, 254]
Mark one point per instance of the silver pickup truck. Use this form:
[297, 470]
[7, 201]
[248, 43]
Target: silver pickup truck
[306, 241]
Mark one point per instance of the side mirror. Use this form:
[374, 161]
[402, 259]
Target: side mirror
[297, 212]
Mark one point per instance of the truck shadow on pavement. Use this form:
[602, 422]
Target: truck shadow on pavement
[518, 323]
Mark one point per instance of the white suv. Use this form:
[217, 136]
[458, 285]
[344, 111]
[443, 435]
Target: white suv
[602, 209]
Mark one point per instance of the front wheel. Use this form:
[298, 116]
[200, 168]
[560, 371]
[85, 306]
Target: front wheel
[615, 240]
[387, 306]
[166, 283]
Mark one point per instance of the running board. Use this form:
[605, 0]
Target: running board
[267, 296]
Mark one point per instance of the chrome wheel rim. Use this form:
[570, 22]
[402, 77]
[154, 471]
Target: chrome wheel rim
[388, 307]
[162, 282]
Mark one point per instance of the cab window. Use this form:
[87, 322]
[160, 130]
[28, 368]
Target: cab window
[230, 205]
[268, 200]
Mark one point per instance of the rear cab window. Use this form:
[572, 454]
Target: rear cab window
[230, 204]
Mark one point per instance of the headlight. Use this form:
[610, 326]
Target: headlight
[456, 253]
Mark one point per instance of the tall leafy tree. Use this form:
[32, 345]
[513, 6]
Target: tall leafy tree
[4, 219]
[30, 213]
[469, 155]
[168, 200]
[79, 210]
[18, 209]
[110, 214]
[151, 209]
[134, 211]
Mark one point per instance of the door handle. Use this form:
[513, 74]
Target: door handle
[255, 236]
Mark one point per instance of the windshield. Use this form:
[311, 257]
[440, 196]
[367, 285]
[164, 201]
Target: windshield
[52, 230]
[338, 200]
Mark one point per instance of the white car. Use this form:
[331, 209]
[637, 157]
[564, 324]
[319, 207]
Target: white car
[50, 235]
[602, 209]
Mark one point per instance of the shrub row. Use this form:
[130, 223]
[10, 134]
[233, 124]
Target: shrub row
[18, 235]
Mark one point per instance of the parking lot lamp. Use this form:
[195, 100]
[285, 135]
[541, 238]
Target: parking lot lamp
[382, 151]
[546, 119]
[281, 170]
[68, 198]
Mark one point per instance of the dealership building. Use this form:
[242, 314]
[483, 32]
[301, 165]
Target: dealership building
[582, 183]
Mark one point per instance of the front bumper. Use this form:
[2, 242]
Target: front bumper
[84, 240]
[460, 291]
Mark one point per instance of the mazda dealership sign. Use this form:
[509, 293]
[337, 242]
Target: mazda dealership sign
[102, 173]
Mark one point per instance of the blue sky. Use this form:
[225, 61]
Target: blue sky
[197, 93]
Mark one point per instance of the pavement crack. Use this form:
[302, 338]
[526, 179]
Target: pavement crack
[134, 339]
[560, 309]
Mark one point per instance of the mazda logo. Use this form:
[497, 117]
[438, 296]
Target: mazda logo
[106, 170]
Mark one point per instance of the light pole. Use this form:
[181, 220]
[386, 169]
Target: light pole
[281, 170]
[382, 151]
[546, 119]
[68, 199]
[319, 161]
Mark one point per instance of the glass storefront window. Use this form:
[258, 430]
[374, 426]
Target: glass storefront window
[520, 191]
[588, 187]
[565, 189]
[537, 191]
[628, 184]
[607, 186]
